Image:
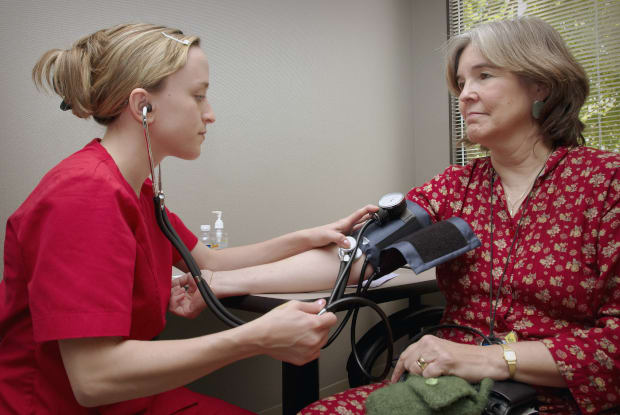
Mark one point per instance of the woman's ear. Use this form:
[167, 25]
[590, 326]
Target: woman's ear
[138, 100]
[542, 92]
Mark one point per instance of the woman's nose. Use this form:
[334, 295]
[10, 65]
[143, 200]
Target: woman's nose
[467, 92]
[208, 116]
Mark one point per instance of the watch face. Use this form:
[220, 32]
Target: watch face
[390, 200]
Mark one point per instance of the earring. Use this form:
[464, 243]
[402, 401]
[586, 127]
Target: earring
[537, 107]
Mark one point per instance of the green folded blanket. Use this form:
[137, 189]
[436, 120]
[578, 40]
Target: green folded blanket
[419, 395]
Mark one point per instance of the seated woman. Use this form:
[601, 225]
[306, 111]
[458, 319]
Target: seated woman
[87, 275]
[546, 279]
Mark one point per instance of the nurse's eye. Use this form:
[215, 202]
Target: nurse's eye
[200, 98]
[485, 75]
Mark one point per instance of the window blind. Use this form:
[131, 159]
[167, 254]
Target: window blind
[590, 28]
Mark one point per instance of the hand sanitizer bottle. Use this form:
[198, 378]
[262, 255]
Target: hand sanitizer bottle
[220, 238]
[205, 235]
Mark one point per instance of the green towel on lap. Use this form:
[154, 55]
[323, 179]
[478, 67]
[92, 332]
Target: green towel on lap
[418, 395]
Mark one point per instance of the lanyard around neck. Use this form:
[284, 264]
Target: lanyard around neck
[493, 306]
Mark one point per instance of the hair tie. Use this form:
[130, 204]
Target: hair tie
[64, 106]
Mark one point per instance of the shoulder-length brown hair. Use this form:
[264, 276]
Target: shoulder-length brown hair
[531, 49]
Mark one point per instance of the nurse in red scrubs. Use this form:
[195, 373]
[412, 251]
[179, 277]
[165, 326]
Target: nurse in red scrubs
[86, 282]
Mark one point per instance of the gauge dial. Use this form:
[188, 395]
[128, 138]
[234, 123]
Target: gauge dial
[391, 200]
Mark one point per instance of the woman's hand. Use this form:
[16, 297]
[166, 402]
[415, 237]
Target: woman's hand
[432, 357]
[293, 332]
[185, 299]
[336, 232]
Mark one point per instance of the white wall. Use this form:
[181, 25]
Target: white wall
[308, 96]
[430, 105]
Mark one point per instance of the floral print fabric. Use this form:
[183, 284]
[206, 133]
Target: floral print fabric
[562, 283]
[349, 402]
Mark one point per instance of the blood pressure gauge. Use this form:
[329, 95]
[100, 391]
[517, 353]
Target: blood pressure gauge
[391, 205]
[392, 200]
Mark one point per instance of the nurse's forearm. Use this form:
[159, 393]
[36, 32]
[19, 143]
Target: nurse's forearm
[261, 253]
[281, 247]
[313, 270]
[109, 370]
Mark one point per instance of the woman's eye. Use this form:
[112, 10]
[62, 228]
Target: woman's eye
[200, 97]
[485, 75]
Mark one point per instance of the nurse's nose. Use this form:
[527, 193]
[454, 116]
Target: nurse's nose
[208, 117]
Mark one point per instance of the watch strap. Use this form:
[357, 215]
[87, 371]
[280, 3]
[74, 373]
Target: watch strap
[511, 359]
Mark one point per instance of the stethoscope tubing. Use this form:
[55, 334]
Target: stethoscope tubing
[335, 302]
[338, 302]
[207, 294]
[166, 227]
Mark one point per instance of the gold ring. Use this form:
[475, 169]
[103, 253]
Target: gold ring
[421, 363]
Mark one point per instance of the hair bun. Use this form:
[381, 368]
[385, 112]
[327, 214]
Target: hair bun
[96, 76]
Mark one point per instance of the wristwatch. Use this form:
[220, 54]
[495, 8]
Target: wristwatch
[511, 359]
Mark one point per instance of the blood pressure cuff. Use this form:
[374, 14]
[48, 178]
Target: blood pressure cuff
[413, 239]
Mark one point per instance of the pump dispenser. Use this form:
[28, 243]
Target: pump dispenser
[221, 237]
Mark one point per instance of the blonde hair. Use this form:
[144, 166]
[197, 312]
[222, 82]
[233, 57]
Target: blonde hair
[531, 49]
[95, 77]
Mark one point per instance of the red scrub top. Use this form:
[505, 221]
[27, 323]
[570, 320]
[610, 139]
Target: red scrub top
[83, 257]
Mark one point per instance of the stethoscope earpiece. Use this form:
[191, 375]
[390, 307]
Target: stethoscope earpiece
[146, 109]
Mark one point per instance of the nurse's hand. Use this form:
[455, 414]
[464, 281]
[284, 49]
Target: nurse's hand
[336, 232]
[185, 299]
[293, 332]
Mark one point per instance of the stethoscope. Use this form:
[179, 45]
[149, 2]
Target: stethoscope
[164, 223]
[391, 205]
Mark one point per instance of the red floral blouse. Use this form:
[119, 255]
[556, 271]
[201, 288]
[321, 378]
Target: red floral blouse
[562, 284]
